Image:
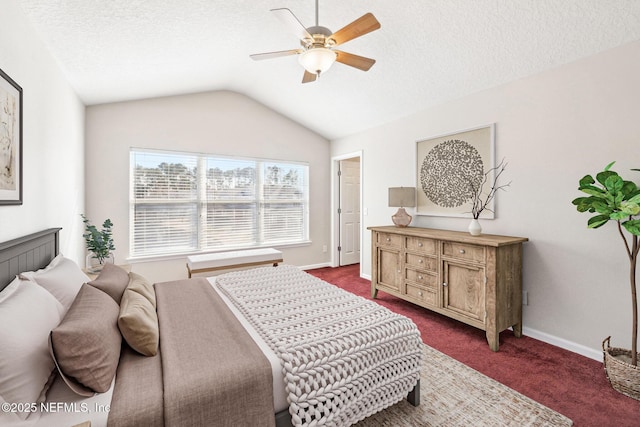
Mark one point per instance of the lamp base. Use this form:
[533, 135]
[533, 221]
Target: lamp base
[401, 218]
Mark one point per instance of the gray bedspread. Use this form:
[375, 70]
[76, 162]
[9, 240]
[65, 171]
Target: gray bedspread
[137, 396]
[211, 371]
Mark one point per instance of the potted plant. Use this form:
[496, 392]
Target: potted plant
[480, 202]
[99, 244]
[611, 198]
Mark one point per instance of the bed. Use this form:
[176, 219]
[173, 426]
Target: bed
[285, 351]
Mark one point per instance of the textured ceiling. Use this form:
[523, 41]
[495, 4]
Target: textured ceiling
[427, 51]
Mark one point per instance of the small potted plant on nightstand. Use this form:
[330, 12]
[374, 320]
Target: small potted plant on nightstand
[99, 244]
[612, 198]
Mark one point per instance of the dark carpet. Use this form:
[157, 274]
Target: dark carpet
[567, 382]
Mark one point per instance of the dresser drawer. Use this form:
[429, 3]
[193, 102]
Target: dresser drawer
[389, 240]
[425, 296]
[421, 262]
[421, 278]
[422, 245]
[463, 251]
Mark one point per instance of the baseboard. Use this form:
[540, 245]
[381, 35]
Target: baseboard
[551, 339]
[562, 343]
[314, 266]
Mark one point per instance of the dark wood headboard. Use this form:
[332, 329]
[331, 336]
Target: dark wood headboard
[27, 253]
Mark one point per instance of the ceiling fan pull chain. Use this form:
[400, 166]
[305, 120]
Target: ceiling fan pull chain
[317, 20]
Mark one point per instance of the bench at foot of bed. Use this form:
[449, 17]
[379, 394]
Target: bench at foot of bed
[207, 263]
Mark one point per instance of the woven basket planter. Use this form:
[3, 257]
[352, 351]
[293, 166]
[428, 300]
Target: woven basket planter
[623, 376]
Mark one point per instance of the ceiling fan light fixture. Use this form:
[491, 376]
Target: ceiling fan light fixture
[317, 60]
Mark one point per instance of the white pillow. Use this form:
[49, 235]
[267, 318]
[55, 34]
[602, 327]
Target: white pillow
[62, 277]
[9, 418]
[9, 289]
[27, 317]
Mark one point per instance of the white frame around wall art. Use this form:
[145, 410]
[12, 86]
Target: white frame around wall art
[449, 166]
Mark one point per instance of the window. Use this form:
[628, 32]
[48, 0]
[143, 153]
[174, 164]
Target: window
[186, 202]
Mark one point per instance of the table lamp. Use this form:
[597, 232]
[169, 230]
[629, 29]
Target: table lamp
[402, 197]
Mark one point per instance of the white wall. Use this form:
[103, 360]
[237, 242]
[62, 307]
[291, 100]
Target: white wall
[53, 138]
[225, 123]
[552, 128]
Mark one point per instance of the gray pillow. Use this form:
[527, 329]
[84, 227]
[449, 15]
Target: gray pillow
[113, 280]
[86, 345]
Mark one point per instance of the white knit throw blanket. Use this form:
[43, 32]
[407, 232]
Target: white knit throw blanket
[343, 357]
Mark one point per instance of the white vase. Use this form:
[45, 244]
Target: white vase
[94, 265]
[474, 228]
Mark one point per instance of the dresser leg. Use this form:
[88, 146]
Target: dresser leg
[517, 330]
[374, 293]
[493, 337]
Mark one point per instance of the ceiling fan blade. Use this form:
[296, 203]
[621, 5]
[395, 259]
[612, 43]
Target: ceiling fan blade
[292, 23]
[359, 62]
[308, 77]
[361, 26]
[269, 55]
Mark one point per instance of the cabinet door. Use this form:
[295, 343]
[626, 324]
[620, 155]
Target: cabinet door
[464, 290]
[389, 273]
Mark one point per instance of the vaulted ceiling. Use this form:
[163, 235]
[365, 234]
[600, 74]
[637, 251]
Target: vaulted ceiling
[427, 51]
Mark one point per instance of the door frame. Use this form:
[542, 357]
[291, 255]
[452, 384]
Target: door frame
[335, 203]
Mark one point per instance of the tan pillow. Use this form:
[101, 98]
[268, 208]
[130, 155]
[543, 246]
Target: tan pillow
[86, 345]
[138, 320]
[139, 284]
[113, 280]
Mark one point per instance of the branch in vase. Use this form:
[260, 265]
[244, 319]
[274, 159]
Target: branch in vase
[479, 204]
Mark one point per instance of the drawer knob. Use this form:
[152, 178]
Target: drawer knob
[461, 251]
[444, 284]
[419, 261]
[420, 293]
[420, 277]
[420, 244]
[388, 239]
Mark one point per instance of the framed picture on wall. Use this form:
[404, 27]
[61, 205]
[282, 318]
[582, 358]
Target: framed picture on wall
[10, 141]
[450, 168]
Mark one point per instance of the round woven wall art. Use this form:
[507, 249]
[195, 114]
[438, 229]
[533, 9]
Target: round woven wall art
[451, 173]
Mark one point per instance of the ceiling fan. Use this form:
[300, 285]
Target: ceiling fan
[317, 53]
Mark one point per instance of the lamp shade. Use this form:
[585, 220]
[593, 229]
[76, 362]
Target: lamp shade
[400, 197]
[317, 60]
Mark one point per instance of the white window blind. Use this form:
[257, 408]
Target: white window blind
[184, 202]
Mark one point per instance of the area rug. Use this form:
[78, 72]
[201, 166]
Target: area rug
[452, 394]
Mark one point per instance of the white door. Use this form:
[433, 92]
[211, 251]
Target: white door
[349, 211]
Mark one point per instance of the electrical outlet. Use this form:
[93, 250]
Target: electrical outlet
[525, 298]
[324, 248]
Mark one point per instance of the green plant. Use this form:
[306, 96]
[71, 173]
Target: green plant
[99, 242]
[613, 199]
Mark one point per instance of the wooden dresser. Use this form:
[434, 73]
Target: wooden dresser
[474, 279]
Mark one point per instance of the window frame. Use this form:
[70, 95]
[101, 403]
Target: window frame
[203, 204]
